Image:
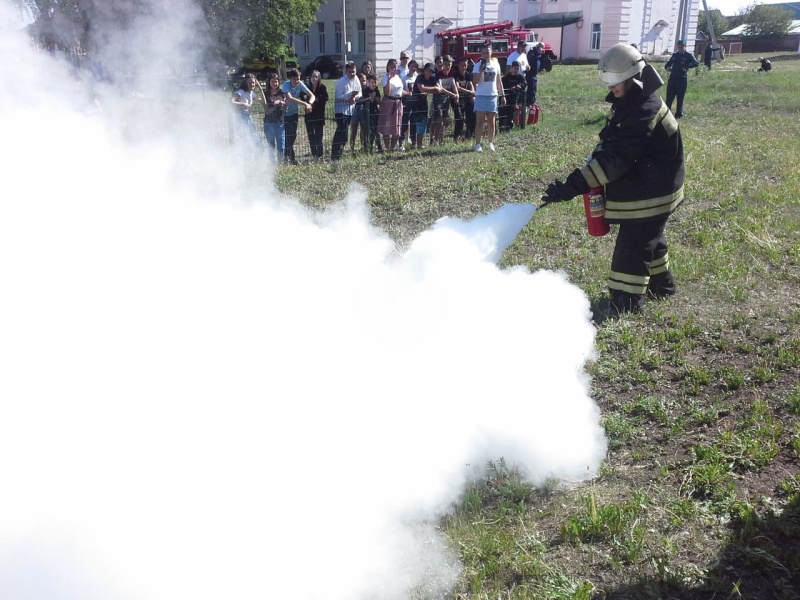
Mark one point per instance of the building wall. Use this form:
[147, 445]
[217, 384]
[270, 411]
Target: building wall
[397, 25]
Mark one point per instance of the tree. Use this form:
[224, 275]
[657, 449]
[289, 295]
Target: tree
[768, 20]
[225, 29]
[718, 21]
[241, 27]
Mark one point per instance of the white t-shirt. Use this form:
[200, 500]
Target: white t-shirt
[248, 97]
[522, 59]
[408, 81]
[488, 85]
[395, 86]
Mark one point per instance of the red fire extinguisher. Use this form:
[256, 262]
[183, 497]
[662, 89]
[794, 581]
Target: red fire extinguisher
[594, 203]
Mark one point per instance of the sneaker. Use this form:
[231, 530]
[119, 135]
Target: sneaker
[491, 147]
[478, 148]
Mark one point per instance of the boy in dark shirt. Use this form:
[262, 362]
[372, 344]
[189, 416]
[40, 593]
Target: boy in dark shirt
[371, 101]
[514, 89]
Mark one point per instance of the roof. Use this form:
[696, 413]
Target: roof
[742, 29]
[556, 19]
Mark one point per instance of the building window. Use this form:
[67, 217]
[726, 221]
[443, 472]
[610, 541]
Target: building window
[533, 0]
[337, 37]
[306, 44]
[595, 41]
[362, 36]
[321, 29]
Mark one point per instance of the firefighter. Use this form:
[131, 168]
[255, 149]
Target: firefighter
[678, 66]
[639, 162]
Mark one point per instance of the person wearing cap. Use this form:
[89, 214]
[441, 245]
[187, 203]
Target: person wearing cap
[639, 164]
[678, 67]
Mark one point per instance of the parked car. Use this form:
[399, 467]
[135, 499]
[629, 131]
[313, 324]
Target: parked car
[330, 66]
[264, 66]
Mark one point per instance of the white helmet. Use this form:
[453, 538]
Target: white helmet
[621, 62]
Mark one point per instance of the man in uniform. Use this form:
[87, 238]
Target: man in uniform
[678, 66]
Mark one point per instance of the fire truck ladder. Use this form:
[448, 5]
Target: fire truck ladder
[486, 29]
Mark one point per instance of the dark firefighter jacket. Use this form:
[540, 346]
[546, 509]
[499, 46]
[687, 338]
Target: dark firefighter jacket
[639, 159]
[679, 64]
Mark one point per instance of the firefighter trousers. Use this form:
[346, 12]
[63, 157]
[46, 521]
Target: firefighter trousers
[640, 265]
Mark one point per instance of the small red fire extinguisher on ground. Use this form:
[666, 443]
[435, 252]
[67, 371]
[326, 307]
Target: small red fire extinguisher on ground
[594, 203]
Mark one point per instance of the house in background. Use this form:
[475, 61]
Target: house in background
[760, 45]
[576, 29]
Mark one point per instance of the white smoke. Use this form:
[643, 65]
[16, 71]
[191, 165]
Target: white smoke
[208, 392]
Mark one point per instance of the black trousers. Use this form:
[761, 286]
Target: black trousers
[530, 91]
[470, 119]
[460, 121]
[314, 129]
[340, 135]
[640, 265]
[290, 127]
[676, 88]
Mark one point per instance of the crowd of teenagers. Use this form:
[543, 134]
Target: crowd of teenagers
[397, 110]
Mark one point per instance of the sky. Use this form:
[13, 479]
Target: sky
[732, 7]
[211, 391]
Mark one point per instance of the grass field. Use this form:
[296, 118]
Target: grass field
[699, 496]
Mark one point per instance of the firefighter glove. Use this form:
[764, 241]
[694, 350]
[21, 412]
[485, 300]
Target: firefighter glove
[575, 185]
[557, 192]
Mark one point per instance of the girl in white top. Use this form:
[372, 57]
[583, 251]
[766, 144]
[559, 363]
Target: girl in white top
[391, 113]
[243, 99]
[488, 88]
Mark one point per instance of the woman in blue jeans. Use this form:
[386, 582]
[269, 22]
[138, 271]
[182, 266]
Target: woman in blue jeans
[274, 111]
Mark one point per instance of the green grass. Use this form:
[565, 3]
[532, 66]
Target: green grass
[699, 496]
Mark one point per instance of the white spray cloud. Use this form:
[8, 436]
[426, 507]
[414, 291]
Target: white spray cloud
[202, 397]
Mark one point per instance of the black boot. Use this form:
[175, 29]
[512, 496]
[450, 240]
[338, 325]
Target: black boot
[661, 286]
[623, 302]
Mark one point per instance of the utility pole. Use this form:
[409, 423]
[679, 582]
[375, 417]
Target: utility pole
[711, 30]
[344, 33]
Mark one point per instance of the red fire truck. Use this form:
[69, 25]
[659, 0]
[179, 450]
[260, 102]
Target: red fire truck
[466, 42]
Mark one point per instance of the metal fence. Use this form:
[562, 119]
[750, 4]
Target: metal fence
[358, 143]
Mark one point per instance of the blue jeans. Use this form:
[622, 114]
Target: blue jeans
[290, 125]
[276, 138]
[247, 129]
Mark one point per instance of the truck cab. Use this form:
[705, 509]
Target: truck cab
[466, 42]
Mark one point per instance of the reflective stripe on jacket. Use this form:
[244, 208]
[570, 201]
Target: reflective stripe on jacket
[639, 160]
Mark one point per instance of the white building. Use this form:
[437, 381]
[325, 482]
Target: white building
[380, 29]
